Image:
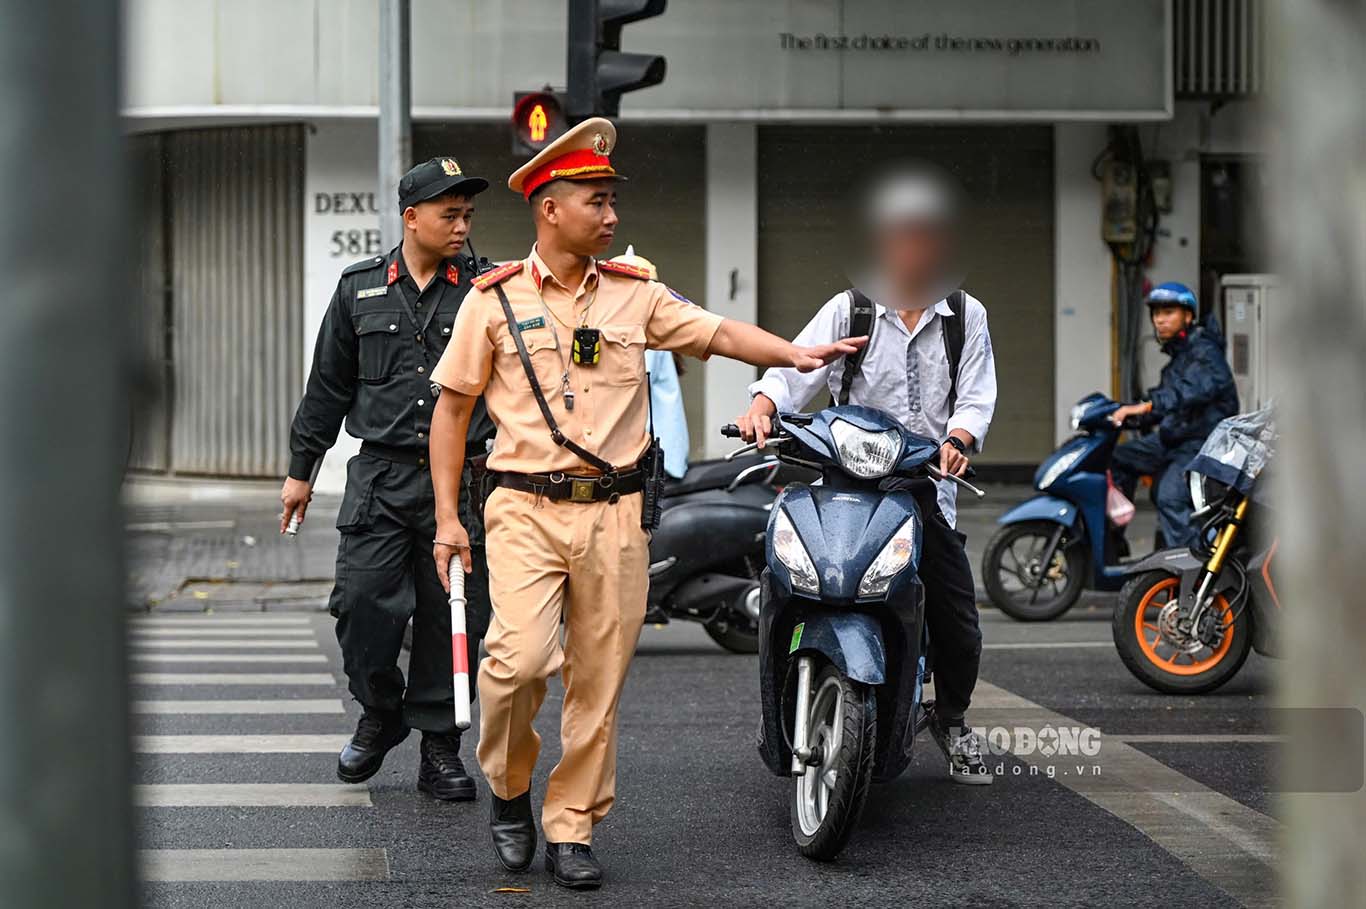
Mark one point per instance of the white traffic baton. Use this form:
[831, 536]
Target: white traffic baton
[460, 659]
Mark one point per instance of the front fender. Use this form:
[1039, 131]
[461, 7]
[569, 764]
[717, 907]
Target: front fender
[852, 641]
[1042, 508]
[1172, 561]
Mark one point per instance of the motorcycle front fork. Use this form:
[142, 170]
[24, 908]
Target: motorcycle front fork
[801, 731]
[1223, 544]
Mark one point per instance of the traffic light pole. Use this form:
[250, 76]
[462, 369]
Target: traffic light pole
[65, 355]
[395, 115]
[582, 42]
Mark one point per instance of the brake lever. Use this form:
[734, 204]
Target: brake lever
[772, 442]
[938, 474]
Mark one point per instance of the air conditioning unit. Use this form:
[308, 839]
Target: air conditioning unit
[1248, 311]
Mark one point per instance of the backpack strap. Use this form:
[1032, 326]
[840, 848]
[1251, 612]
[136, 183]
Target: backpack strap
[954, 334]
[860, 323]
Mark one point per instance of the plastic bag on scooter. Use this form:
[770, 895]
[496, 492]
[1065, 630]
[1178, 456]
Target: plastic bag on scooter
[1117, 505]
[1238, 449]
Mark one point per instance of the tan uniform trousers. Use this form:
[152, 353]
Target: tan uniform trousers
[588, 564]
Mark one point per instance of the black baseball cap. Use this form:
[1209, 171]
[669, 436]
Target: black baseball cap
[436, 178]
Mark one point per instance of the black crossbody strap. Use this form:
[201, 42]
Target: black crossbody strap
[559, 437]
[953, 343]
[860, 324]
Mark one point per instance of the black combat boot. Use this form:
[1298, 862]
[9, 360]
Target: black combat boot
[442, 774]
[376, 734]
[514, 831]
[573, 866]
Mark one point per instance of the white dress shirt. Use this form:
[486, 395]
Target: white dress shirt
[905, 373]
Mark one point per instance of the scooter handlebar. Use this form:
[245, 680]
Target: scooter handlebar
[730, 431]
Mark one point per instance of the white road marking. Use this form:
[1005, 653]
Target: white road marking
[1046, 645]
[164, 526]
[1228, 844]
[193, 633]
[264, 864]
[258, 620]
[228, 658]
[211, 643]
[194, 708]
[233, 678]
[251, 795]
[239, 744]
[1195, 739]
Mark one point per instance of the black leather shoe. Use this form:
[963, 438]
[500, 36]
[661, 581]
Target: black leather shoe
[573, 866]
[514, 831]
[442, 774]
[376, 734]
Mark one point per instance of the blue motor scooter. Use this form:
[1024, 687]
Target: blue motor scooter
[1062, 541]
[843, 652]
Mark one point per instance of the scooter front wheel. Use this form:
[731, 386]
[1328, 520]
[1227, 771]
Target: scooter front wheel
[828, 798]
[1021, 584]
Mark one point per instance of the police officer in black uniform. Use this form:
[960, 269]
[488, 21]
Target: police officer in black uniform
[385, 329]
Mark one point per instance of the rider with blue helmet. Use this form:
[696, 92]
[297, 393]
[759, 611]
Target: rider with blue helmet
[1194, 393]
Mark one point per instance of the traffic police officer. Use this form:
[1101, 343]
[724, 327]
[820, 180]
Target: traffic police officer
[564, 523]
[387, 325]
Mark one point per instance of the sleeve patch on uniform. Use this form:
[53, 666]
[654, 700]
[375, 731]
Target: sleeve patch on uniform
[499, 274]
[621, 268]
[371, 292]
[676, 295]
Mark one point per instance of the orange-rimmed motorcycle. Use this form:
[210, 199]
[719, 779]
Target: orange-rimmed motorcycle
[1187, 618]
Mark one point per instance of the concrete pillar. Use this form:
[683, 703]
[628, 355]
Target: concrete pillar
[732, 266]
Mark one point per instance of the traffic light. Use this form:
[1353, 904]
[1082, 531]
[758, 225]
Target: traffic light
[537, 120]
[599, 72]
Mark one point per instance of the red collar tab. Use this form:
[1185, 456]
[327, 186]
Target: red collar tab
[452, 274]
[392, 274]
[581, 164]
[536, 275]
[497, 276]
[622, 268]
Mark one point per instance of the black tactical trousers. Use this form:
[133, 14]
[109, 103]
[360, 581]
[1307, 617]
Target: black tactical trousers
[950, 605]
[386, 576]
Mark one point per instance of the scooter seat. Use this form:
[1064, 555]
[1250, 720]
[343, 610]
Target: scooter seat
[717, 474]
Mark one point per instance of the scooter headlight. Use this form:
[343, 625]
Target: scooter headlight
[1060, 466]
[866, 454]
[889, 562]
[787, 546]
[1078, 411]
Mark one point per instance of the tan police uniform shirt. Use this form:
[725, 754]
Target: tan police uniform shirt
[610, 416]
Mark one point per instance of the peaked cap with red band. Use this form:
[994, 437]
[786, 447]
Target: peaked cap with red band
[580, 154]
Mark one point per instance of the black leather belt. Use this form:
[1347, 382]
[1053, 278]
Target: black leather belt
[417, 457]
[604, 488]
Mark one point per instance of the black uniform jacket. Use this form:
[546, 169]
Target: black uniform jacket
[378, 344]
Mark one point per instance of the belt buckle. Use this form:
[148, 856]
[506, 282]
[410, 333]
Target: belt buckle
[580, 490]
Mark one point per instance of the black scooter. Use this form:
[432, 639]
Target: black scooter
[843, 650]
[708, 551]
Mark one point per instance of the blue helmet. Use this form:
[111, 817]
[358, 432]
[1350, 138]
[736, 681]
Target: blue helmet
[1173, 293]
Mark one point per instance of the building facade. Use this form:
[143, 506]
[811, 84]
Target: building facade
[253, 130]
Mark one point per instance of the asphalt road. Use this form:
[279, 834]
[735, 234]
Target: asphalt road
[698, 819]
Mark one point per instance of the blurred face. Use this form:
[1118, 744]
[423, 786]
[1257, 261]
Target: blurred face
[440, 226]
[1169, 321]
[583, 214]
[913, 257]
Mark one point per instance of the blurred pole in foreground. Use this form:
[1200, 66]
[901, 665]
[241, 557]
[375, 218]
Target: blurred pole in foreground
[395, 116]
[65, 836]
[1319, 194]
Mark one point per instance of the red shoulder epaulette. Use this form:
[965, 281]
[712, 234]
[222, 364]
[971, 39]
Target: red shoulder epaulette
[498, 275]
[622, 268]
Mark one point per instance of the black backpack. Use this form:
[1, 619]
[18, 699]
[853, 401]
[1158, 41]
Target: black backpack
[861, 323]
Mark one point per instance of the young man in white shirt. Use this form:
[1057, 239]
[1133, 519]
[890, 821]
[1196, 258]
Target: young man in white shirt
[919, 335]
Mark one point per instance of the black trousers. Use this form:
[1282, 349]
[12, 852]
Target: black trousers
[950, 606]
[386, 576]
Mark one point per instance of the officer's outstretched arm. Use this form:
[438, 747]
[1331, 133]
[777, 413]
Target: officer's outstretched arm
[751, 344]
[450, 423]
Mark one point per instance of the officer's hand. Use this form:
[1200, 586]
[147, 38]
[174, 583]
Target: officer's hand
[451, 540]
[952, 462]
[294, 496]
[756, 424]
[807, 359]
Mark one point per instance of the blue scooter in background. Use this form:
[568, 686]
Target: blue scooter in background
[1064, 540]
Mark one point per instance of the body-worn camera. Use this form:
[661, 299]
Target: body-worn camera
[587, 346]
